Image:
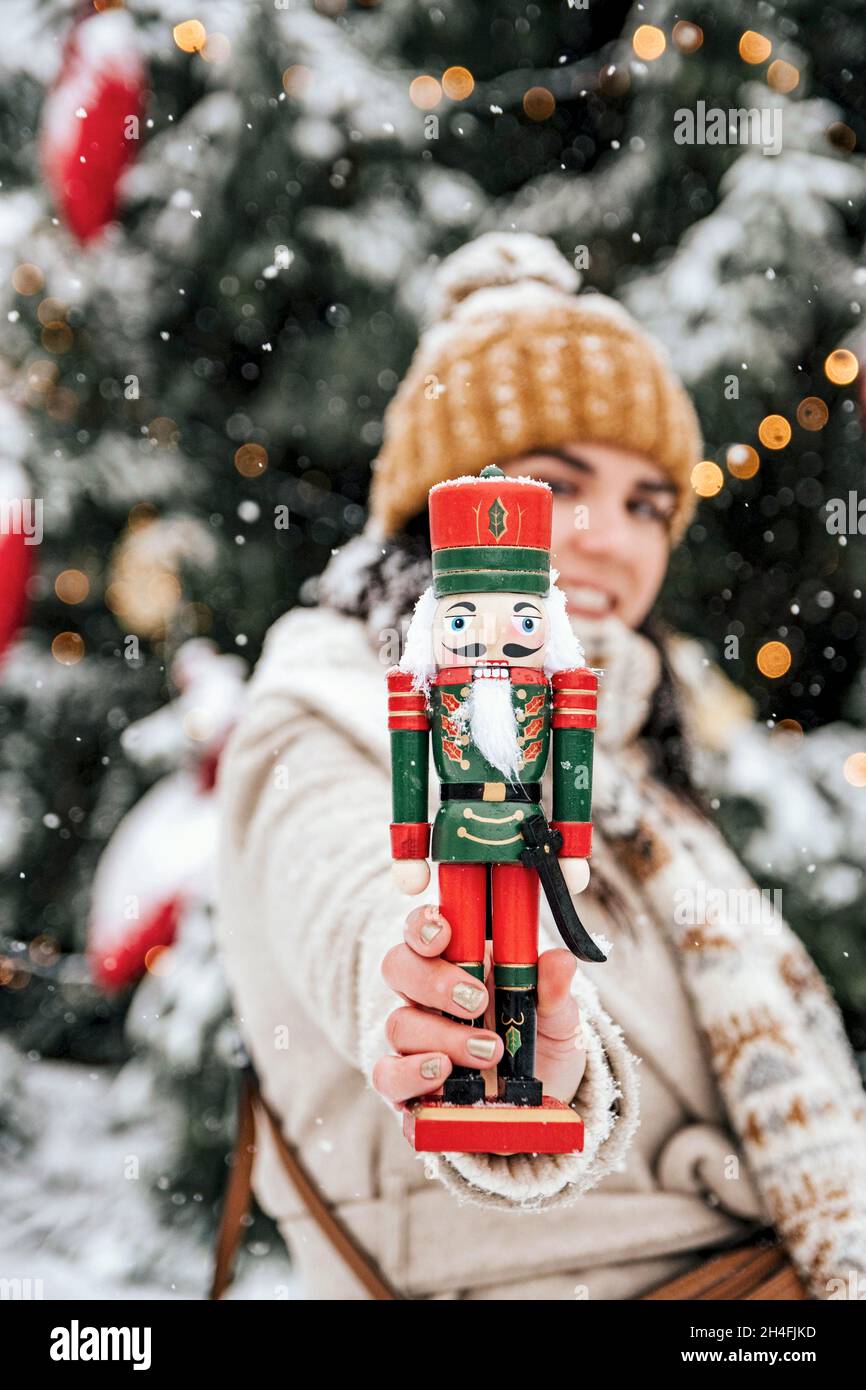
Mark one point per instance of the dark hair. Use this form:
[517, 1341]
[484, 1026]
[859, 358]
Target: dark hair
[391, 577]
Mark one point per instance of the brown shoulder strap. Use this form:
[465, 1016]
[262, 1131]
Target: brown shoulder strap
[239, 1189]
[758, 1269]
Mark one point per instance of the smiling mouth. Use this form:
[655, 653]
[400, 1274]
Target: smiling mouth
[586, 598]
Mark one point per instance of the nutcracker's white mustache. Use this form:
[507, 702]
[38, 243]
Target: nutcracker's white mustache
[489, 712]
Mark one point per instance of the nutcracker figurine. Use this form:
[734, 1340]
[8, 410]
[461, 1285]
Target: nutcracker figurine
[493, 672]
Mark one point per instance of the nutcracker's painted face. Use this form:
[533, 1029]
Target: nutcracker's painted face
[472, 628]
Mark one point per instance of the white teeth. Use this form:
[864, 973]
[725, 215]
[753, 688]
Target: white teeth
[594, 599]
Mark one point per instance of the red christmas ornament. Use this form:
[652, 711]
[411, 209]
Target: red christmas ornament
[18, 540]
[160, 864]
[91, 120]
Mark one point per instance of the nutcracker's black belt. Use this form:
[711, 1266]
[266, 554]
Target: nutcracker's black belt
[474, 791]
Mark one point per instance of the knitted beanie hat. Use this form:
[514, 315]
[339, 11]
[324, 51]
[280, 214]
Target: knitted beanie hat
[514, 361]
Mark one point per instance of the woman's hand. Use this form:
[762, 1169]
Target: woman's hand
[428, 1046]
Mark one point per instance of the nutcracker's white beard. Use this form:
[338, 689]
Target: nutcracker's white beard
[492, 726]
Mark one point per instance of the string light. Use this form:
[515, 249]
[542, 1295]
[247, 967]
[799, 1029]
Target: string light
[458, 83]
[742, 461]
[296, 80]
[707, 478]
[812, 413]
[217, 48]
[841, 367]
[68, 648]
[57, 337]
[72, 586]
[774, 432]
[27, 279]
[158, 961]
[790, 730]
[190, 36]
[251, 460]
[686, 36]
[773, 660]
[425, 93]
[648, 42]
[539, 103]
[754, 47]
[854, 770]
[782, 77]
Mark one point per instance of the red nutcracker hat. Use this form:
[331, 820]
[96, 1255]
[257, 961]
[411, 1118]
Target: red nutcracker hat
[490, 533]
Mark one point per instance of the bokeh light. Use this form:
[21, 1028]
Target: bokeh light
[787, 731]
[754, 47]
[841, 367]
[251, 460]
[68, 648]
[458, 83]
[742, 461]
[773, 660]
[191, 35]
[812, 413]
[72, 586]
[687, 37]
[217, 48]
[539, 103]
[648, 42]
[854, 770]
[425, 93]
[27, 279]
[707, 478]
[296, 80]
[774, 432]
[159, 961]
[782, 77]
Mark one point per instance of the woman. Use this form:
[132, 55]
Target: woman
[707, 1058]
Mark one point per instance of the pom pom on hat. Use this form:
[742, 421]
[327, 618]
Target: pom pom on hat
[497, 258]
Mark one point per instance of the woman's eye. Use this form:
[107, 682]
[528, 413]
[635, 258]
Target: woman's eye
[642, 506]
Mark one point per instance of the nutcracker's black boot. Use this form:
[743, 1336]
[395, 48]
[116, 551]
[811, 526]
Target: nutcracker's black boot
[515, 1023]
[465, 1085]
[463, 1090]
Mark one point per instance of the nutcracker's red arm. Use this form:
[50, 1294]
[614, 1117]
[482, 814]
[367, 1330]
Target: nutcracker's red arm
[409, 725]
[575, 696]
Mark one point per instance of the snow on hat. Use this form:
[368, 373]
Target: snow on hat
[514, 361]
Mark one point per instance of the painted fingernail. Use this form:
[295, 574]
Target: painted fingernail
[431, 1068]
[481, 1047]
[468, 997]
[429, 931]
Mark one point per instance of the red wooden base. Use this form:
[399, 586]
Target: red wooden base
[492, 1127]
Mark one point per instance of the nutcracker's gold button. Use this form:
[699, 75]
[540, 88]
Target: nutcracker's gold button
[521, 694]
[465, 690]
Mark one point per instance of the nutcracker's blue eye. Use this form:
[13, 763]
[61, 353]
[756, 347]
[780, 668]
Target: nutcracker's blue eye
[528, 624]
[456, 624]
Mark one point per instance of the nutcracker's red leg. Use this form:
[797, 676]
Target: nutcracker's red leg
[463, 904]
[515, 977]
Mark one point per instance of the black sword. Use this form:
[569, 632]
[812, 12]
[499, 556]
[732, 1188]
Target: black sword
[543, 843]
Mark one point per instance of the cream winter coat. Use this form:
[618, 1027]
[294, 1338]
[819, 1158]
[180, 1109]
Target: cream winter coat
[719, 1095]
